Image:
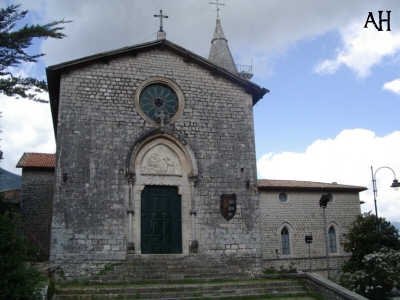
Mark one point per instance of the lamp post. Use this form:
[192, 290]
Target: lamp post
[395, 185]
[323, 202]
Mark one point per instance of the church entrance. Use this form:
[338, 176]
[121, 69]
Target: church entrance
[161, 223]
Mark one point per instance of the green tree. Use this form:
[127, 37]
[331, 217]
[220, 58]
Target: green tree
[17, 279]
[14, 45]
[363, 239]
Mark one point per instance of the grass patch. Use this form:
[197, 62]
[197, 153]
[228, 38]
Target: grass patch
[74, 283]
[269, 296]
[270, 272]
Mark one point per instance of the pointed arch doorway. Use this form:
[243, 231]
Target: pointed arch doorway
[161, 195]
[161, 223]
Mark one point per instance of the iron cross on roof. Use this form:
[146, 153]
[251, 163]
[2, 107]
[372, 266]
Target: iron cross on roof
[161, 16]
[217, 4]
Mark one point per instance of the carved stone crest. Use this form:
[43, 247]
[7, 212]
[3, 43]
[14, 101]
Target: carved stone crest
[228, 206]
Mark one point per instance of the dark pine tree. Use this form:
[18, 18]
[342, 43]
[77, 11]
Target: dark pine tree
[14, 44]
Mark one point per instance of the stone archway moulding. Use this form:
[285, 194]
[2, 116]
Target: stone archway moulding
[161, 137]
[160, 158]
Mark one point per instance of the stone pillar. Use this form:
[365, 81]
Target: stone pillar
[130, 228]
[131, 210]
[194, 246]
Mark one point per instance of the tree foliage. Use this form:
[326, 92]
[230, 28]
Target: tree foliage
[363, 238]
[14, 45]
[375, 258]
[17, 279]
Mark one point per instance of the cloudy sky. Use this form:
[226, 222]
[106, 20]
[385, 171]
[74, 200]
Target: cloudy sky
[333, 110]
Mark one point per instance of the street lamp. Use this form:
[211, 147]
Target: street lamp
[395, 185]
[323, 202]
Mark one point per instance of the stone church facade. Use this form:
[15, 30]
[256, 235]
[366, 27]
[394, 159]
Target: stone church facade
[156, 156]
[150, 138]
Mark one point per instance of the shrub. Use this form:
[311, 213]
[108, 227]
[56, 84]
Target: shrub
[375, 276]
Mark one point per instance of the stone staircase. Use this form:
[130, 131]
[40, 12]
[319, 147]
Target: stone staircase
[177, 278]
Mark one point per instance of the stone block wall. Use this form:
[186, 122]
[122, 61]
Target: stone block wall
[302, 215]
[328, 289]
[98, 124]
[37, 190]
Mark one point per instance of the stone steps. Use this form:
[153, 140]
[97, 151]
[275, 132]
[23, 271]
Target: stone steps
[166, 277]
[166, 269]
[232, 289]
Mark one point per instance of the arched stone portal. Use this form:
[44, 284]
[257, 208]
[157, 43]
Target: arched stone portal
[161, 160]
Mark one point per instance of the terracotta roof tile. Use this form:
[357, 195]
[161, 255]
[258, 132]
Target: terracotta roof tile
[270, 184]
[37, 160]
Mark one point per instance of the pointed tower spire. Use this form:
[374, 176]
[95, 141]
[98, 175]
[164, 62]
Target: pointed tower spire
[219, 52]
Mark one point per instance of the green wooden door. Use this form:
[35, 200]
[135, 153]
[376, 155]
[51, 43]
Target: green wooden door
[161, 224]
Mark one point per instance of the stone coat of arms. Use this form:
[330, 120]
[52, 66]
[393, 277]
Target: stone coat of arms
[228, 206]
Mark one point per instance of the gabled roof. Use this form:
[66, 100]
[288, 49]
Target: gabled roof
[295, 185]
[54, 72]
[37, 160]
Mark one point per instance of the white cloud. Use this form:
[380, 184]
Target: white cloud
[346, 159]
[26, 127]
[257, 29]
[393, 86]
[362, 48]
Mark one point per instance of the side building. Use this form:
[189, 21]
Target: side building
[36, 202]
[292, 223]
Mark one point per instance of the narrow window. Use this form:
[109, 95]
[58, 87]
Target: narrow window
[285, 241]
[332, 240]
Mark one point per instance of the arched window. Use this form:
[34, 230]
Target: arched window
[285, 241]
[332, 240]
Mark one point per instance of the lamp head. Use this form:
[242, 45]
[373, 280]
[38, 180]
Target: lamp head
[323, 202]
[395, 184]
